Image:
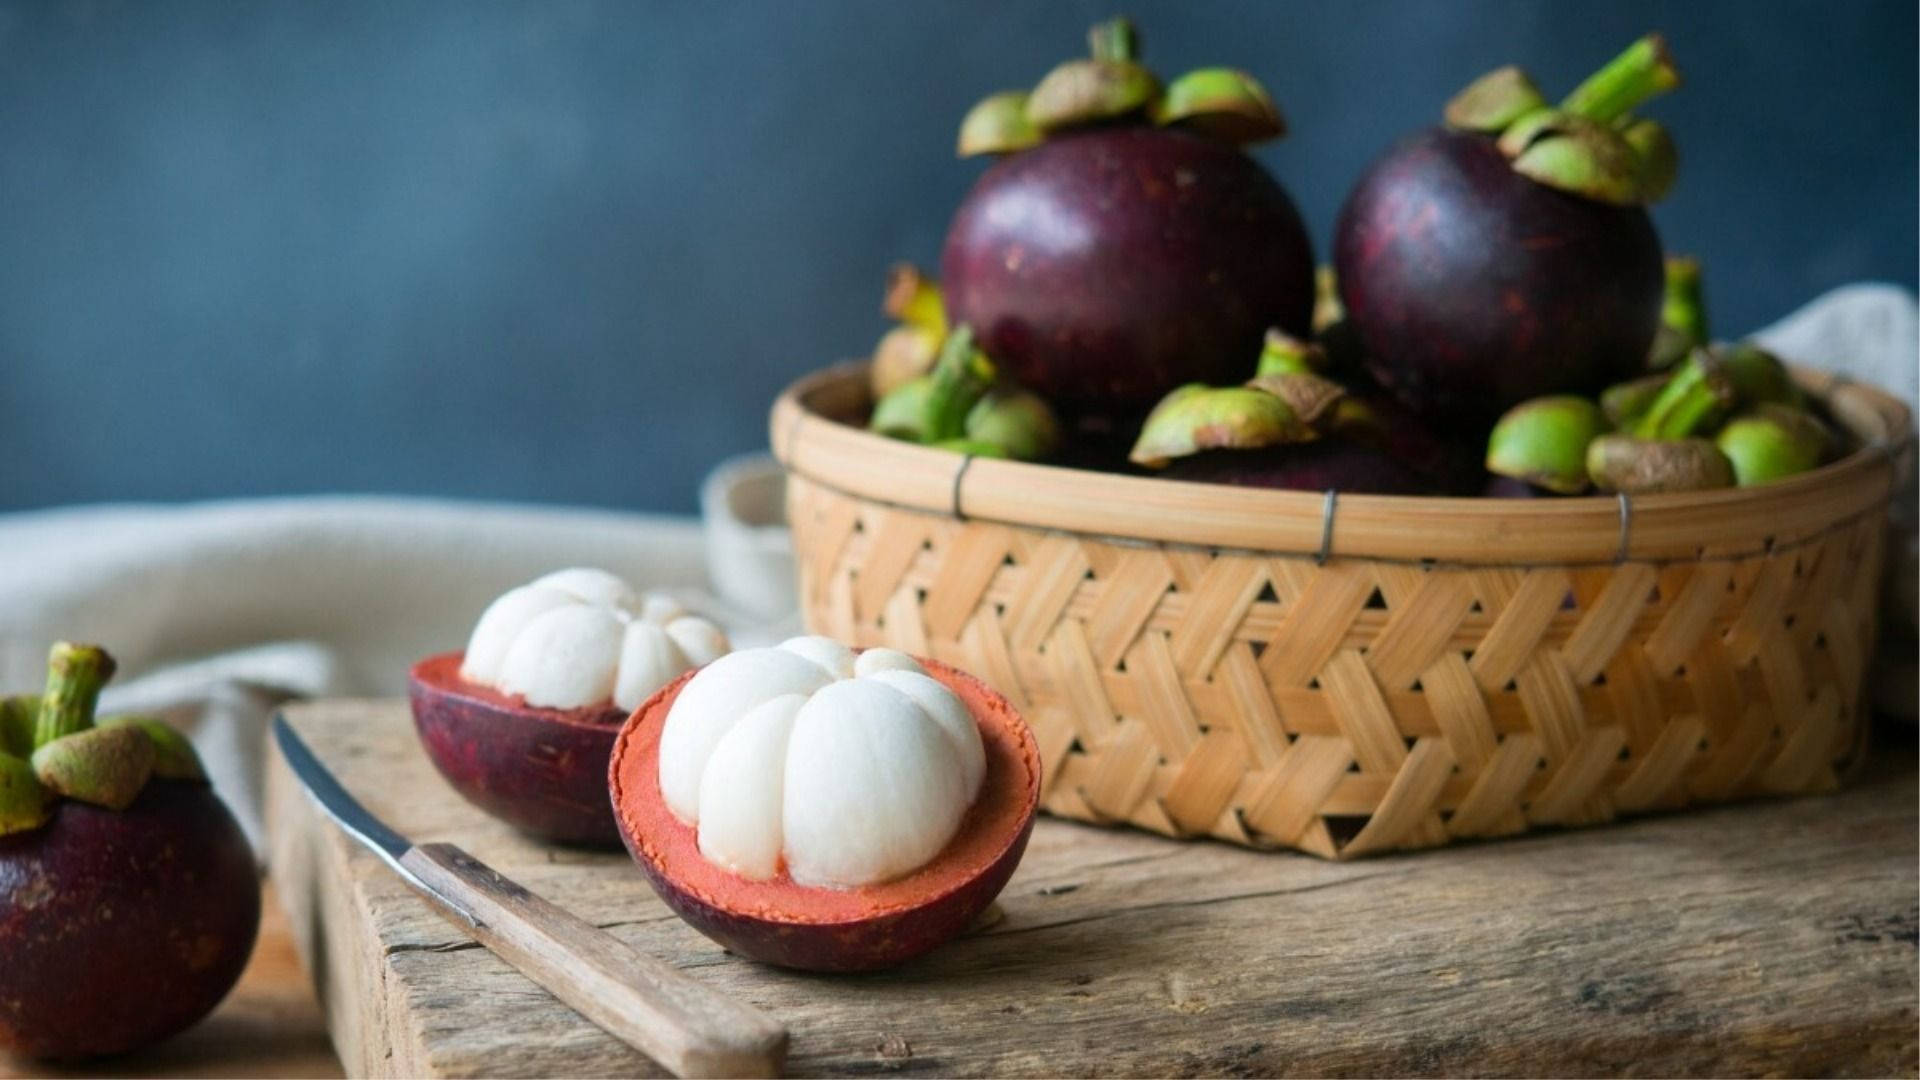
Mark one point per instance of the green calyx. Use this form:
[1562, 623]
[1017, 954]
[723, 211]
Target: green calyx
[972, 447]
[1018, 423]
[1574, 154]
[1710, 385]
[25, 803]
[1195, 418]
[1312, 398]
[1544, 442]
[1691, 400]
[1755, 375]
[904, 353]
[908, 350]
[959, 405]
[1624, 403]
[1659, 157]
[997, 124]
[1492, 102]
[933, 407]
[1683, 314]
[1624, 463]
[1281, 353]
[1772, 442]
[52, 745]
[1225, 103]
[1328, 311]
[18, 716]
[913, 298]
[106, 766]
[174, 757]
[1112, 86]
[1588, 145]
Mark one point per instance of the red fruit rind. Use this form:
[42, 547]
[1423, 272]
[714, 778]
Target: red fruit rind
[863, 929]
[543, 771]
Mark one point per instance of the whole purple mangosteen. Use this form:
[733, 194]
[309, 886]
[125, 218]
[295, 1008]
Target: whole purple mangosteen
[1509, 254]
[1125, 244]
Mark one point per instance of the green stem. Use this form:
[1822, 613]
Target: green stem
[1115, 39]
[1643, 71]
[75, 674]
[1283, 354]
[961, 377]
[18, 715]
[1685, 307]
[1691, 397]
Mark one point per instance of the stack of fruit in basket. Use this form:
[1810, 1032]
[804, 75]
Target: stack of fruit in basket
[1125, 288]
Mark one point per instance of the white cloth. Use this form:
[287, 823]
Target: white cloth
[219, 611]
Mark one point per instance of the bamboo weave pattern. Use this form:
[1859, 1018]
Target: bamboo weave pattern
[1365, 705]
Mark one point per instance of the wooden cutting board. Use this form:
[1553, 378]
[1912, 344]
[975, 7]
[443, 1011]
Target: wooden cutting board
[1765, 938]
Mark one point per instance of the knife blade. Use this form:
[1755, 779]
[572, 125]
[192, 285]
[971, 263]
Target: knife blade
[690, 1029]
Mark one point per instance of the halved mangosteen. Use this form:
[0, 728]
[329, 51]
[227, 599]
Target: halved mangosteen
[815, 808]
[523, 721]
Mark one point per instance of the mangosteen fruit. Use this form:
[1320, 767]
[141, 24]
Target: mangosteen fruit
[522, 722]
[1683, 314]
[815, 807]
[1544, 442]
[1349, 467]
[964, 405]
[1711, 384]
[129, 898]
[1508, 254]
[908, 350]
[1619, 462]
[1126, 244]
[1772, 442]
[1288, 429]
[1508, 487]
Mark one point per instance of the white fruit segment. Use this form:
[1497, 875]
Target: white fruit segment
[582, 636]
[828, 653]
[852, 770]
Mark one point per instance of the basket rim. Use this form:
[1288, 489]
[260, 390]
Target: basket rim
[811, 443]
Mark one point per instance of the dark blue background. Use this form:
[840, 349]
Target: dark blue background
[570, 251]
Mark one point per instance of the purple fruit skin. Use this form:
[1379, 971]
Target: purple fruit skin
[1329, 465]
[1473, 288]
[119, 928]
[1512, 487]
[1102, 269]
[532, 768]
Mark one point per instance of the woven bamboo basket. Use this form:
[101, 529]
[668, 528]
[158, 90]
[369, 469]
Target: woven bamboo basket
[1350, 675]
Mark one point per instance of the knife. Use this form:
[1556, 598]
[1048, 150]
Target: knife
[686, 1027]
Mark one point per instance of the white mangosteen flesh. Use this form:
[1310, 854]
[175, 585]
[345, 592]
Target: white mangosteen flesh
[582, 636]
[843, 770]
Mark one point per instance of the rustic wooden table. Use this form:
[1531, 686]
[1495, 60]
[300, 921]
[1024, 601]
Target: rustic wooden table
[1765, 938]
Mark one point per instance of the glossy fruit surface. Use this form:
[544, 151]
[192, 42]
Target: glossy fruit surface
[1104, 267]
[1347, 467]
[875, 926]
[119, 928]
[543, 771]
[1473, 288]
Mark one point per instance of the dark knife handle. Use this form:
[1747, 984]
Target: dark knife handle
[686, 1027]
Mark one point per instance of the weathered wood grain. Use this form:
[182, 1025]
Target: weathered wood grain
[683, 1024]
[1765, 938]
